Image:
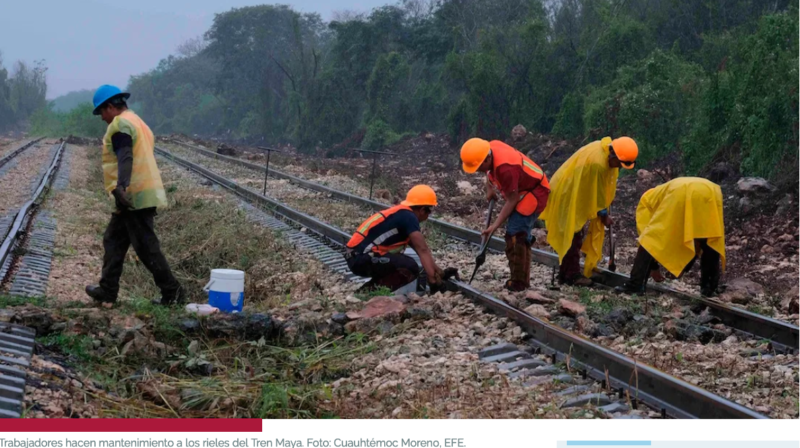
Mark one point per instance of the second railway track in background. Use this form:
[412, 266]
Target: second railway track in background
[672, 396]
[17, 342]
[783, 335]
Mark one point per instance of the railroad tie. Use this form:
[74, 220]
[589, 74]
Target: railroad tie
[16, 348]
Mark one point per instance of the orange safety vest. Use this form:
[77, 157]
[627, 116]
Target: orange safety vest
[375, 246]
[503, 154]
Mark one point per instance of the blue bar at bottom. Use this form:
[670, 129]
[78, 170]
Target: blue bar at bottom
[608, 443]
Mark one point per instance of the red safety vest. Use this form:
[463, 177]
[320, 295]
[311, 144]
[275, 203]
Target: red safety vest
[374, 220]
[503, 154]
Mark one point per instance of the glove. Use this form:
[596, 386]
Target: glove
[450, 273]
[122, 199]
[441, 286]
[437, 275]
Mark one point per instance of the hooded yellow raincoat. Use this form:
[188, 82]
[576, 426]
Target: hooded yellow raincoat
[583, 186]
[671, 216]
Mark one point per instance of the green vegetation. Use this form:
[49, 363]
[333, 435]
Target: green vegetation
[21, 92]
[78, 122]
[71, 100]
[153, 366]
[377, 292]
[78, 346]
[705, 82]
[215, 377]
[9, 301]
[694, 82]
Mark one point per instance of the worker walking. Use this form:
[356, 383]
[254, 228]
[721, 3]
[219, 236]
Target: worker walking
[376, 248]
[524, 186]
[131, 176]
[582, 190]
[679, 222]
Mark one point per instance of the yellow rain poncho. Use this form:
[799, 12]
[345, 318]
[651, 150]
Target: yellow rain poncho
[583, 186]
[671, 216]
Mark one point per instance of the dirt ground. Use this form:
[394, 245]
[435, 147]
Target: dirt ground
[421, 363]
[697, 361]
[133, 360]
[762, 242]
[15, 183]
[7, 144]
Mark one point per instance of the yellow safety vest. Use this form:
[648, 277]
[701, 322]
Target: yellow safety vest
[146, 188]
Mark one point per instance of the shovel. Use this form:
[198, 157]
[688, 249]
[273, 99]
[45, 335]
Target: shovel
[481, 258]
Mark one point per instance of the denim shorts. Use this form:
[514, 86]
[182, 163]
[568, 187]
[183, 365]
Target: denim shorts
[518, 223]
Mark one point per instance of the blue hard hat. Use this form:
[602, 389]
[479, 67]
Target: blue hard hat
[105, 93]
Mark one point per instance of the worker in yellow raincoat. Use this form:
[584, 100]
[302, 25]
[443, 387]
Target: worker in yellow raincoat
[582, 190]
[679, 222]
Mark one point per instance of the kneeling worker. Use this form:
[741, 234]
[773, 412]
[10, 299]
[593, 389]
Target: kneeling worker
[679, 222]
[376, 248]
[525, 189]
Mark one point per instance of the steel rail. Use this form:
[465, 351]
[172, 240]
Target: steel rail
[785, 336]
[673, 396]
[7, 158]
[27, 208]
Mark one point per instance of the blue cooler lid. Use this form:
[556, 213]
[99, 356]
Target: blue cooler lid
[227, 274]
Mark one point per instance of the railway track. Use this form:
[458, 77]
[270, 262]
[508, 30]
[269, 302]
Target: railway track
[784, 337]
[16, 342]
[672, 396]
[15, 152]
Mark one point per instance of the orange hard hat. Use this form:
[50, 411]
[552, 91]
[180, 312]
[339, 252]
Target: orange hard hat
[626, 150]
[420, 195]
[473, 153]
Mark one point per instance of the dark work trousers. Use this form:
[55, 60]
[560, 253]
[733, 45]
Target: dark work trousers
[391, 270]
[709, 268]
[134, 228]
[643, 263]
[571, 263]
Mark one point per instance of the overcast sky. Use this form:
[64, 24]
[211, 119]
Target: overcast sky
[87, 43]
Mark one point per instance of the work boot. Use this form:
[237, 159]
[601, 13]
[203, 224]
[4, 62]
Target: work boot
[707, 292]
[397, 279]
[526, 253]
[178, 297]
[519, 264]
[98, 294]
[578, 280]
[517, 252]
[515, 286]
[628, 288]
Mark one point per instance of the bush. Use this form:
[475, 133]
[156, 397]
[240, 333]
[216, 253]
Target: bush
[748, 110]
[379, 135]
[569, 122]
[78, 122]
[650, 100]
[765, 80]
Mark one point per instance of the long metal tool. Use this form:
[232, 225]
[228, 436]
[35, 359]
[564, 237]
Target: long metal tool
[481, 258]
[266, 166]
[612, 262]
[675, 397]
[374, 165]
[783, 334]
